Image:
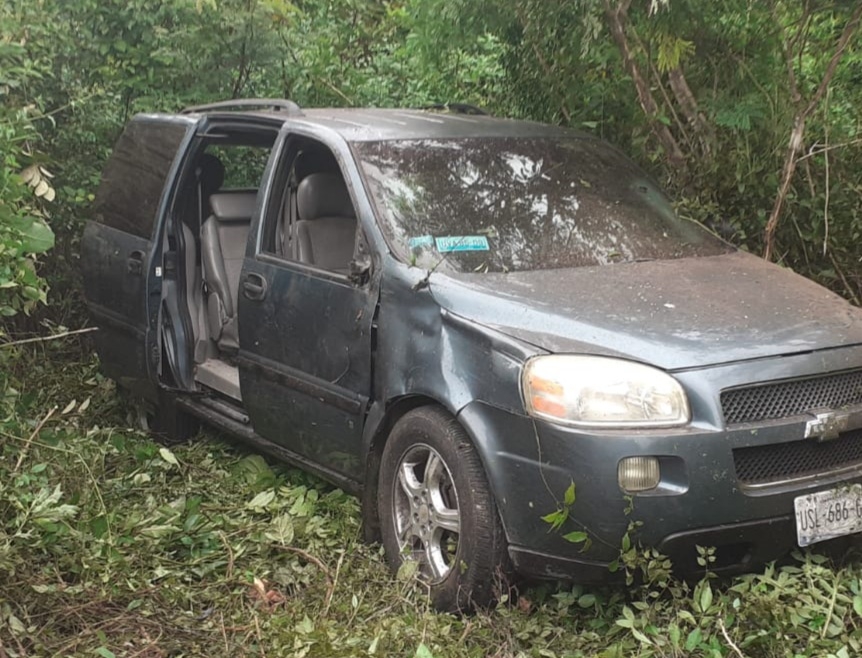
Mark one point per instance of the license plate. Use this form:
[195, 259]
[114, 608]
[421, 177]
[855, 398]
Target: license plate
[828, 514]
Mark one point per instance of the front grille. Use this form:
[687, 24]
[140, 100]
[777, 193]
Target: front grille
[797, 459]
[791, 397]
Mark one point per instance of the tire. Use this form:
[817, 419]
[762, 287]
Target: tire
[435, 506]
[166, 422]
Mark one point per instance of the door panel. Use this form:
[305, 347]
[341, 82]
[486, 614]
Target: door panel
[117, 246]
[114, 265]
[305, 359]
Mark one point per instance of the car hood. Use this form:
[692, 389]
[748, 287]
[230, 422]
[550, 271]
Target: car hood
[675, 314]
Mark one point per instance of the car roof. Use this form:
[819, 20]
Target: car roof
[375, 124]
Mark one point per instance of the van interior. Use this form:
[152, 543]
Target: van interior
[310, 221]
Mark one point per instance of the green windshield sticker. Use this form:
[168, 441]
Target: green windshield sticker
[462, 243]
[421, 241]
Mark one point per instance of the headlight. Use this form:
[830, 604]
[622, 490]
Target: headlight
[602, 392]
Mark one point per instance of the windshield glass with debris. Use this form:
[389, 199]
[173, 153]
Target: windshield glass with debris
[509, 204]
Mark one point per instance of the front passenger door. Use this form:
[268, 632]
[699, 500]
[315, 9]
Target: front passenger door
[304, 323]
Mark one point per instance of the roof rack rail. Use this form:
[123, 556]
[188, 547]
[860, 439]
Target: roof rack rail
[457, 108]
[276, 104]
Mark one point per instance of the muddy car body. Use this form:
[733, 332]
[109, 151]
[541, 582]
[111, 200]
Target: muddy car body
[456, 317]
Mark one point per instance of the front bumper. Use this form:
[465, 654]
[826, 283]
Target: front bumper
[700, 501]
[739, 546]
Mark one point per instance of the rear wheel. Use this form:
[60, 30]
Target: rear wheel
[436, 508]
[166, 421]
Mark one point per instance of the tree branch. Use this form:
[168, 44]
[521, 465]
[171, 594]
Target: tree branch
[798, 132]
[616, 18]
[41, 339]
[843, 42]
[691, 111]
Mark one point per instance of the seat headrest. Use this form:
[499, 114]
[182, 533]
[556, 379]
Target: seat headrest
[312, 161]
[209, 171]
[233, 206]
[323, 195]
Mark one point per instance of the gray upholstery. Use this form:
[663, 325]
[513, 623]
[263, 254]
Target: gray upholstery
[233, 206]
[326, 229]
[223, 239]
[194, 298]
[209, 174]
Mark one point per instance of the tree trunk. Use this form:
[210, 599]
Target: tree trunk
[616, 17]
[699, 125]
[797, 134]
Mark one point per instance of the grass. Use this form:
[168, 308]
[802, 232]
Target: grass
[112, 545]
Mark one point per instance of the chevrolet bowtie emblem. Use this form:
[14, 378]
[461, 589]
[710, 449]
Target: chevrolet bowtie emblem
[827, 425]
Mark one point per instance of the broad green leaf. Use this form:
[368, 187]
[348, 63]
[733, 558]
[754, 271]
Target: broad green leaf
[643, 639]
[626, 542]
[281, 530]
[569, 497]
[705, 598]
[16, 626]
[99, 526]
[159, 530]
[587, 601]
[557, 518]
[693, 640]
[260, 501]
[306, 626]
[44, 589]
[36, 236]
[254, 468]
[422, 651]
[30, 292]
[168, 456]
[576, 536]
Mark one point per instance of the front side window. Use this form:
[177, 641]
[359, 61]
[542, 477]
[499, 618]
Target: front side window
[136, 173]
[313, 222]
[509, 204]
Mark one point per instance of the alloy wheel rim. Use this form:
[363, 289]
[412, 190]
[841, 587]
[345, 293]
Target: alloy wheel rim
[426, 512]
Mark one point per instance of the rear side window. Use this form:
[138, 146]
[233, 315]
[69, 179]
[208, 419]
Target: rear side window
[135, 175]
[243, 165]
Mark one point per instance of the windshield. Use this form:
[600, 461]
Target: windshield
[508, 204]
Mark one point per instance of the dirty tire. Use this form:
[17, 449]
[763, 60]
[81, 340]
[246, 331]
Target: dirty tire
[167, 422]
[428, 471]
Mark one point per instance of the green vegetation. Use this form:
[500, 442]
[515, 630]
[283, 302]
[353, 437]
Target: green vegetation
[23, 183]
[748, 112]
[111, 545]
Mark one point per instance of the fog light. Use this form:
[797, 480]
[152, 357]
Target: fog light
[638, 473]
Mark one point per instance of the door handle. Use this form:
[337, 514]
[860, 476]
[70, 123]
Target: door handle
[135, 263]
[254, 286]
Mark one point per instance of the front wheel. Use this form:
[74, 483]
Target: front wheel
[436, 508]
